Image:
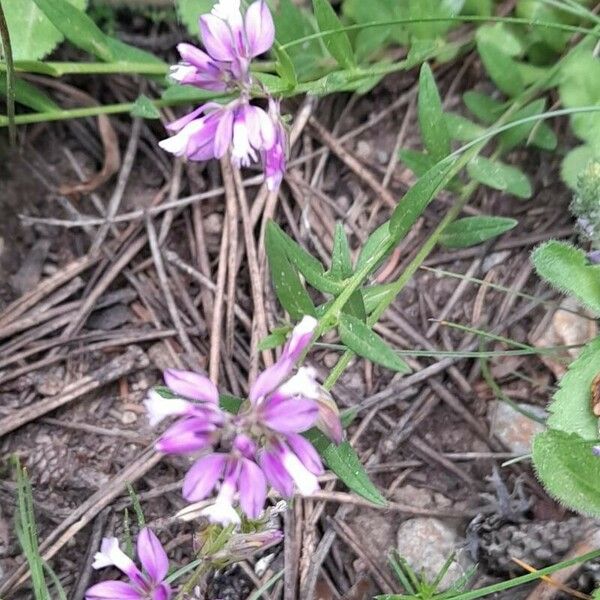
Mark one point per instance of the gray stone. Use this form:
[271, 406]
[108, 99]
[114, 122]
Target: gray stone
[513, 428]
[426, 544]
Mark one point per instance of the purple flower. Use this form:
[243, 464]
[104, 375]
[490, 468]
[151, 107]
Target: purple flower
[241, 478]
[146, 585]
[274, 158]
[240, 127]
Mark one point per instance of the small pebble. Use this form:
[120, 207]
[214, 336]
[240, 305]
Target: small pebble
[513, 428]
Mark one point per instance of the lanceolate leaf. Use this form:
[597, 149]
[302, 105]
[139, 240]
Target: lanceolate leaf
[500, 176]
[431, 116]
[569, 469]
[370, 248]
[474, 230]
[341, 265]
[568, 270]
[338, 43]
[285, 67]
[357, 336]
[310, 267]
[30, 96]
[288, 287]
[500, 67]
[344, 462]
[77, 27]
[32, 34]
[570, 408]
[461, 128]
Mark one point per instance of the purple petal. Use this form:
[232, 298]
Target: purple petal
[260, 29]
[224, 133]
[271, 378]
[276, 473]
[329, 421]
[301, 336]
[261, 129]
[203, 476]
[162, 592]
[289, 415]
[252, 488]
[186, 435]
[112, 590]
[305, 480]
[160, 408]
[194, 56]
[216, 37]
[191, 385]
[306, 452]
[152, 555]
[180, 123]
[245, 445]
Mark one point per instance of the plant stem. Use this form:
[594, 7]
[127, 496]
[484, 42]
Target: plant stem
[197, 576]
[10, 78]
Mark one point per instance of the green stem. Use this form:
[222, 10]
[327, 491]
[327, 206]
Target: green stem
[203, 568]
[10, 78]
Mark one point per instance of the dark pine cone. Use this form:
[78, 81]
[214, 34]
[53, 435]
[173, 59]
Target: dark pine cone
[229, 584]
[51, 465]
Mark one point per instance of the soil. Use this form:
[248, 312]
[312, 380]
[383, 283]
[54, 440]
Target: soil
[429, 448]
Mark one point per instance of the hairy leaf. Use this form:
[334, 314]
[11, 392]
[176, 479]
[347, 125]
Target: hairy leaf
[500, 176]
[431, 116]
[569, 469]
[568, 270]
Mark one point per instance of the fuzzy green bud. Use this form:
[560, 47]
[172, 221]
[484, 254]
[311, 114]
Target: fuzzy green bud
[586, 203]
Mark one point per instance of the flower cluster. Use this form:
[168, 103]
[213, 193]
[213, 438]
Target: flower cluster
[246, 131]
[259, 445]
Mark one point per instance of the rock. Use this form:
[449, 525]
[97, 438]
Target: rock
[375, 530]
[363, 149]
[513, 428]
[565, 328]
[426, 544]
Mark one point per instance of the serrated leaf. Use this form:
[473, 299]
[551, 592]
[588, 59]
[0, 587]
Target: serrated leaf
[574, 162]
[486, 109]
[569, 469]
[431, 116]
[288, 286]
[570, 409]
[33, 36]
[143, 107]
[309, 267]
[77, 27]
[500, 67]
[470, 231]
[30, 96]
[344, 462]
[500, 176]
[568, 270]
[338, 44]
[415, 201]
[189, 12]
[362, 340]
[462, 129]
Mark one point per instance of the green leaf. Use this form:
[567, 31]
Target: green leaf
[569, 271]
[29, 95]
[570, 409]
[500, 67]
[486, 109]
[423, 9]
[33, 36]
[512, 137]
[461, 128]
[418, 162]
[285, 66]
[502, 36]
[499, 176]
[374, 294]
[569, 469]
[431, 116]
[344, 462]
[341, 263]
[574, 162]
[415, 201]
[310, 267]
[143, 107]
[357, 336]
[189, 12]
[276, 338]
[231, 404]
[471, 231]
[77, 27]
[338, 43]
[371, 247]
[288, 287]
